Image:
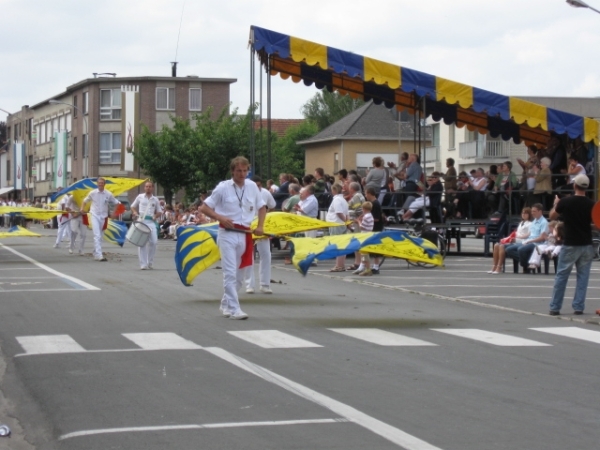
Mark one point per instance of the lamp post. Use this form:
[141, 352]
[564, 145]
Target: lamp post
[87, 142]
[581, 4]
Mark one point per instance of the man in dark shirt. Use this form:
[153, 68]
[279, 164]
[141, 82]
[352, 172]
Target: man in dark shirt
[577, 250]
[378, 223]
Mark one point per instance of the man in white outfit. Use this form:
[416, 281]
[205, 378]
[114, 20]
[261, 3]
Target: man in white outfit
[146, 207]
[100, 199]
[234, 203]
[78, 227]
[64, 229]
[264, 249]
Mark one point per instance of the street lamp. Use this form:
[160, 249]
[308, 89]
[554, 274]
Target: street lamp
[581, 4]
[87, 143]
[5, 111]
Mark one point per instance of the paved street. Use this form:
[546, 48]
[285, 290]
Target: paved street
[101, 355]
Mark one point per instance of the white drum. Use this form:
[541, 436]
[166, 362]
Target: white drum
[138, 233]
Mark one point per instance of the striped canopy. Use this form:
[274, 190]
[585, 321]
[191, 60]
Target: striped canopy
[452, 102]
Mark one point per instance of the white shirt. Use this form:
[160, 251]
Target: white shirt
[267, 198]
[147, 206]
[310, 207]
[237, 204]
[71, 204]
[100, 201]
[62, 204]
[338, 205]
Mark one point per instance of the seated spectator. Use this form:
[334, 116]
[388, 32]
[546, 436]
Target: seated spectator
[289, 203]
[377, 177]
[272, 187]
[506, 181]
[461, 196]
[431, 198]
[537, 235]
[574, 169]
[552, 246]
[522, 233]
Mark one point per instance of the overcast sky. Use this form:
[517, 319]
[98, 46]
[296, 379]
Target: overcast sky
[512, 47]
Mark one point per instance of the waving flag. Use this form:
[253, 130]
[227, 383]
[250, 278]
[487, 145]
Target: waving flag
[196, 251]
[397, 244]
[281, 223]
[18, 231]
[30, 212]
[115, 232]
[81, 188]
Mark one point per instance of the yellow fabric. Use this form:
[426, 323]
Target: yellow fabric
[18, 231]
[523, 111]
[311, 52]
[382, 72]
[200, 251]
[285, 223]
[454, 92]
[31, 212]
[591, 129]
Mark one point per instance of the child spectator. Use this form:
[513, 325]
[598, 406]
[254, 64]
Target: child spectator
[552, 246]
[365, 223]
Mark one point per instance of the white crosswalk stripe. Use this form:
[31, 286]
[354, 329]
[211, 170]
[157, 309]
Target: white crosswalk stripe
[489, 337]
[272, 339]
[161, 341]
[381, 337]
[44, 345]
[573, 332]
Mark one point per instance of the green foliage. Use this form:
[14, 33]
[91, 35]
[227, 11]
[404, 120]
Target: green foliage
[327, 107]
[194, 158]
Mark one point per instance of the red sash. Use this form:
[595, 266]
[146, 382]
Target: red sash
[84, 219]
[248, 255]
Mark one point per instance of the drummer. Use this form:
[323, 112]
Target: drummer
[151, 210]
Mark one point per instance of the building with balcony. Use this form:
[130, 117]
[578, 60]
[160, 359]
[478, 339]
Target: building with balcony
[90, 111]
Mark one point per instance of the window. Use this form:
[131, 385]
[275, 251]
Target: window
[110, 148]
[84, 146]
[84, 103]
[68, 122]
[75, 147]
[61, 123]
[8, 163]
[75, 106]
[195, 99]
[110, 104]
[165, 98]
[451, 139]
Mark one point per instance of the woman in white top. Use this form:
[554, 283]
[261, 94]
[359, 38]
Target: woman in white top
[521, 234]
[338, 214]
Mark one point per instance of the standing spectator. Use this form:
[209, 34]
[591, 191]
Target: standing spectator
[365, 223]
[263, 246]
[577, 249]
[320, 182]
[146, 207]
[377, 176]
[558, 166]
[308, 206]
[338, 213]
[378, 223]
[272, 187]
[344, 181]
[284, 182]
[100, 199]
[234, 203]
[543, 183]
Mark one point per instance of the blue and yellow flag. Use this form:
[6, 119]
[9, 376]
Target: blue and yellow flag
[115, 232]
[396, 244]
[30, 212]
[18, 231]
[81, 188]
[196, 251]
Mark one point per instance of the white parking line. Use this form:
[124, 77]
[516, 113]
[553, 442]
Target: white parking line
[381, 337]
[489, 337]
[392, 434]
[75, 282]
[161, 341]
[43, 345]
[272, 339]
[199, 427]
[573, 332]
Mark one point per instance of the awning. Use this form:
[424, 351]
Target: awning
[6, 190]
[442, 99]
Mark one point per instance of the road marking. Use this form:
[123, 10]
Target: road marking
[272, 339]
[161, 341]
[573, 332]
[43, 345]
[75, 282]
[349, 413]
[380, 337]
[199, 427]
[489, 337]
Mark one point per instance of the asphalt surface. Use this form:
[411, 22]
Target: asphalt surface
[102, 355]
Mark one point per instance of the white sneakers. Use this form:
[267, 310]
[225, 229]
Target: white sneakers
[266, 290]
[144, 267]
[240, 315]
[71, 251]
[225, 312]
[249, 291]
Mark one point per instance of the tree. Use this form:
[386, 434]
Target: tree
[288, 156]
[327, 107]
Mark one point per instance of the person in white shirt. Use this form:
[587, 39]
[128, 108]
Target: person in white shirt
[263, 246]
[146, 208]
[100, 199]
[234, 203]
[77, 225]
[308, 206]
[64, 230]
[338, 214]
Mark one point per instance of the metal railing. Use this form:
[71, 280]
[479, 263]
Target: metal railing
[431, 154]
[491, 149]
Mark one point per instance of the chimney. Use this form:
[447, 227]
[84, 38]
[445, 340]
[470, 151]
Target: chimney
[174, 69]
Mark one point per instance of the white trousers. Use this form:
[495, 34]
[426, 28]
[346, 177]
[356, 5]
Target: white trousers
[97, 224]
[264, 252]
[232, 246]
[146, 252]
[536, 258]
[418, 203]
[64, 230]
[77, 228]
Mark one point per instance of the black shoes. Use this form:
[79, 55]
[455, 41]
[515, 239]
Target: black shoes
[554, 313]
[578, 313]
[375, 271]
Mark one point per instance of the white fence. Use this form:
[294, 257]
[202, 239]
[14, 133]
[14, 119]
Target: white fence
[491, 149]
